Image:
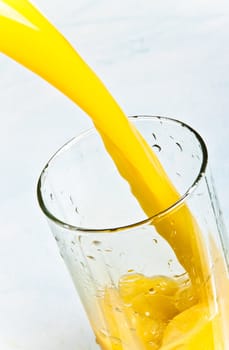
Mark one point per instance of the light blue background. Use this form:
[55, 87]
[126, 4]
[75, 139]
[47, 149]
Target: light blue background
[156, 57]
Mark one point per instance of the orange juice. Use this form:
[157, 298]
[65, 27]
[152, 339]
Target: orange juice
[30, 39]
[162, 313]
[156, 318]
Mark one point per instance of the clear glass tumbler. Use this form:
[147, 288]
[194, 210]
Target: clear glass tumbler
[157, 282]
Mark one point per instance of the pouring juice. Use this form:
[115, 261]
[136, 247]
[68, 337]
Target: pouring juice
[27, 37]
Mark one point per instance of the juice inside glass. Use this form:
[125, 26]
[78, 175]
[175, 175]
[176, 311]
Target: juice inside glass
[147, 281]
[158, 282]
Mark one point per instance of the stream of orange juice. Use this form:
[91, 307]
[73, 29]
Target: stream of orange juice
[29, 38]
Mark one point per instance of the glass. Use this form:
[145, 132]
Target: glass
[157, 282]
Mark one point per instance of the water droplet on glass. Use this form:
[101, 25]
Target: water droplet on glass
[57, 239]
[51, 196]
[118, 309]
[82, 264]
[152, 291]
[73, 242]
[116, 341]
[96, 242]
[71, 200]
[157, 147]
[130, 270]
[105, 332]
[179, 146]
[173, 234]
[170, 262]
[91, 257]
[155, 240]
[154, 136]
[76, 210]
[108, 250]
[178, 174]
[99, 293]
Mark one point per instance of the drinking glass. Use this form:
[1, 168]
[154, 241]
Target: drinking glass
[158, 282]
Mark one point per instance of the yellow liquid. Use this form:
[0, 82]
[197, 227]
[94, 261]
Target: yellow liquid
[30, 39]
[154, 313]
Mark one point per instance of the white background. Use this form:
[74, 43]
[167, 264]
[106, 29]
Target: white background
[157, 57]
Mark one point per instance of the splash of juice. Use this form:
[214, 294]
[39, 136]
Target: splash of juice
[27, 37]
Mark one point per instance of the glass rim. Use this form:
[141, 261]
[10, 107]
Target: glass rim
[150, 219]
